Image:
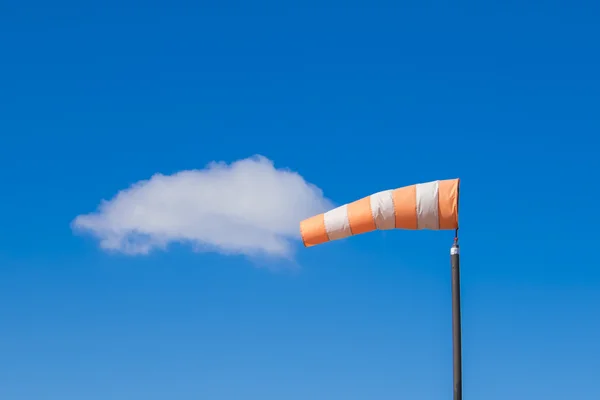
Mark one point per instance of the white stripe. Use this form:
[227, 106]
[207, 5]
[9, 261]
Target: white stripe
[427, 206]
[382, 207]
[337, 224]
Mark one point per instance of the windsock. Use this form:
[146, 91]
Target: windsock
[431, 205]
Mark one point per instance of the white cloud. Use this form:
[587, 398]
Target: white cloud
[248, 207]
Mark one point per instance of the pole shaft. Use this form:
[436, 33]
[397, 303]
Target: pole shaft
[456, 321]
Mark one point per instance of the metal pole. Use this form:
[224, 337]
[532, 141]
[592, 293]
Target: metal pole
[456, 320]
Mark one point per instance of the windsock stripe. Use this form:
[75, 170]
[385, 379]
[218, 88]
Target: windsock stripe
[427, 205]
[405, 207]
[448, 203]
[313, 231]
[360, 216]
[382, 210]
[337, 223]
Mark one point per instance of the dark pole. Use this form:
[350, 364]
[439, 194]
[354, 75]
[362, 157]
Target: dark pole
[456, 328]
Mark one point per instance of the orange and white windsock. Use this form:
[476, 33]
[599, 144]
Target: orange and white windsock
[431, 205]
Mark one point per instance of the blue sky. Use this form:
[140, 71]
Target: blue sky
[356, 98]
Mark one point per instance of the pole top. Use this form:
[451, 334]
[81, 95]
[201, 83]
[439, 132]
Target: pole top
[455, 248]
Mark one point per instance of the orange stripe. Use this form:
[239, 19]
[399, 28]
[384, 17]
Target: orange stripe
[360, 216]
[448, 203]
[405, 207]
[313, 230]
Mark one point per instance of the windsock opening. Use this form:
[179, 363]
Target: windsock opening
[431, 205]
